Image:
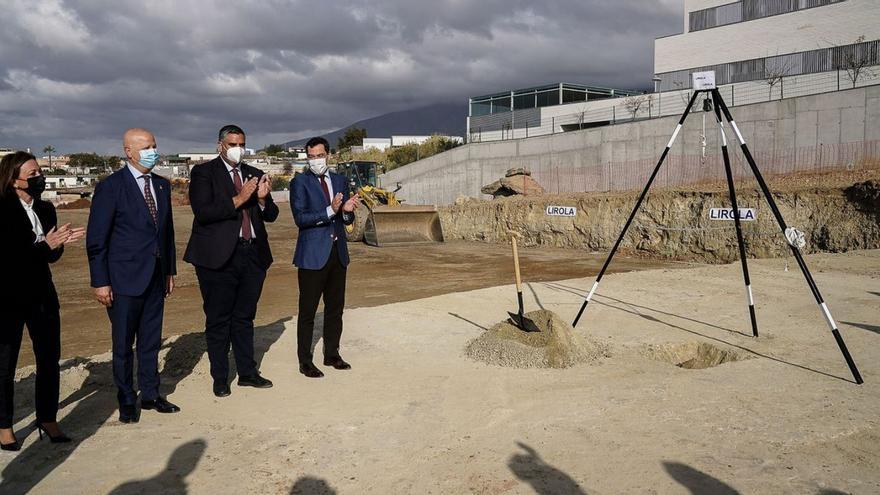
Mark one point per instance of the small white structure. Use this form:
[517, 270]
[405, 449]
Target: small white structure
[199, 156]
[383, 144]
[69, 181]
[380, 144]
[297, 153]
[173, 171]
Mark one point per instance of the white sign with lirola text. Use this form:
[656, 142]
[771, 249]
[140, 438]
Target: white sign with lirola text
[561, 211]
[745, 214]
[703, 80]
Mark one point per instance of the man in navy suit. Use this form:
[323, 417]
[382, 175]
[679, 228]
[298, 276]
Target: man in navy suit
[229, 247]
[321, 208]
[132, 261]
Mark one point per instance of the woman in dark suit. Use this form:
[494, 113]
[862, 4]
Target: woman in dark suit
[31, 240]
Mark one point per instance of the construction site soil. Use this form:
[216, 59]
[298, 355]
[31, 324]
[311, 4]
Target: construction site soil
[554, 345]
[376, 276]
[836, 212]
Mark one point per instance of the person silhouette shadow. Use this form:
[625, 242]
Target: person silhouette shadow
[544, 478]
[172, 480]
[697, 481]
[309, 485]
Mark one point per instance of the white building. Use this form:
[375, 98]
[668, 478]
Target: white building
[297, 152]
[405, 140]
[54, 182]
[380, 144]
[6, 151]
[760, 50]
[751, 40]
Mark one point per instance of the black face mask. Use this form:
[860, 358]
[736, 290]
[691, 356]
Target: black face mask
[36, 185]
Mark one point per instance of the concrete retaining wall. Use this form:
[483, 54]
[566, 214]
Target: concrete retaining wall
[620, 157]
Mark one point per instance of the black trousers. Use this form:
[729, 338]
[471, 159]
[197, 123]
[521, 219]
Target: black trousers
[230, 296]
[328, 282]
[44, 326]
[137, 321]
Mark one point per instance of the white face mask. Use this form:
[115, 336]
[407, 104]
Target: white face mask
[318, 166]
[235, 154]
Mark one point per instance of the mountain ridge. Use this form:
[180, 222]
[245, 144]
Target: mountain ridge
[439, 118]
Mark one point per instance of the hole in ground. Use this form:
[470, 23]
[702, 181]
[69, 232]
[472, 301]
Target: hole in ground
[694, 355]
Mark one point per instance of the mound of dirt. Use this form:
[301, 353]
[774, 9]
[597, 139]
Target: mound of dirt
[79, 204]
[555, 346]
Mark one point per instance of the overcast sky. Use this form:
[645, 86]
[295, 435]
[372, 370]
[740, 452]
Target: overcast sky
[76, 74]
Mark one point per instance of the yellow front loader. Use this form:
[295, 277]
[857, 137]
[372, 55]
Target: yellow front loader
[385, 221]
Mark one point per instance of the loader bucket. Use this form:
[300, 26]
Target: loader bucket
[403, 225]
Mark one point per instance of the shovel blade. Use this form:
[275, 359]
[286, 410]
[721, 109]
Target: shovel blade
[523, 323]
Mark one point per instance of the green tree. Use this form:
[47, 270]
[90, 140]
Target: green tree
[354, 136]
[402, 155]
[86, 160]
[274, 149]
[113, 162]
[49, 149]
[280, 183]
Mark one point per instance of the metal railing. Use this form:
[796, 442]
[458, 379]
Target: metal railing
[653, 105]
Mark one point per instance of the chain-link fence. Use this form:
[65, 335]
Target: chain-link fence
[551, 120]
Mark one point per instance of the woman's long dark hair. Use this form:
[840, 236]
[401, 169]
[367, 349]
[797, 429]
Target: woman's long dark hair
[10, 166]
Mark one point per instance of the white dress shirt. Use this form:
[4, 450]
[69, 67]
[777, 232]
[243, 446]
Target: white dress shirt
[237, 170]
[326, 179]
[139, 178]
[36, 225]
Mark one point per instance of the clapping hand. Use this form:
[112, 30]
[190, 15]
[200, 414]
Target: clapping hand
[264, 187]
[337, 202]
[352, 204]
[58, 236]
[247, 190]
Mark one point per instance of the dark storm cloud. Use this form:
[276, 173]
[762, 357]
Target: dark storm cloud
[75, 74]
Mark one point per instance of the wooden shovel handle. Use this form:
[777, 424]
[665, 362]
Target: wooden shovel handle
[516, 263]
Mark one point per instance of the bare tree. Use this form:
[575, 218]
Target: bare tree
[857, 59]
[775, 69]
[634, 103]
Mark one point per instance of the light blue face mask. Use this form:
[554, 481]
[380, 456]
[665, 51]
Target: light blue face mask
[149, 158]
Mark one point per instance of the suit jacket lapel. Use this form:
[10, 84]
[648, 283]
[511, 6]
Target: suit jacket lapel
[135, 194]
[227, 179]
[164, 206]
[23, 217]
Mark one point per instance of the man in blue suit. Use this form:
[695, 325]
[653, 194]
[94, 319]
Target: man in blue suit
[132, 261]
[321, 209]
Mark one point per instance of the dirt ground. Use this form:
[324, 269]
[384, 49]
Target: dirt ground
[376, 276]
[779, 415]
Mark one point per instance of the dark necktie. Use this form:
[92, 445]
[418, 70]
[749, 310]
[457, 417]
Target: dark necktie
[245, 215]
[151, 202]
[324, 187]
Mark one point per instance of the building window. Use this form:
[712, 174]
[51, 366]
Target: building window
[748, 10]
[792, 64]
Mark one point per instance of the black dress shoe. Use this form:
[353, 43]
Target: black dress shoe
[159, 405]
[256, 381]
[128, 414]
[337, 363]
[310, 370]
[221, 389]
[12, 447]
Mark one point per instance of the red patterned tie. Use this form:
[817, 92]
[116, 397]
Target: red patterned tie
[151, 202]
[321, 179]
[245, 215]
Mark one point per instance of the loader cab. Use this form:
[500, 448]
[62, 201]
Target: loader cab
[359, 173]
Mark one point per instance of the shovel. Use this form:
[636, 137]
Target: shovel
[518, 319]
